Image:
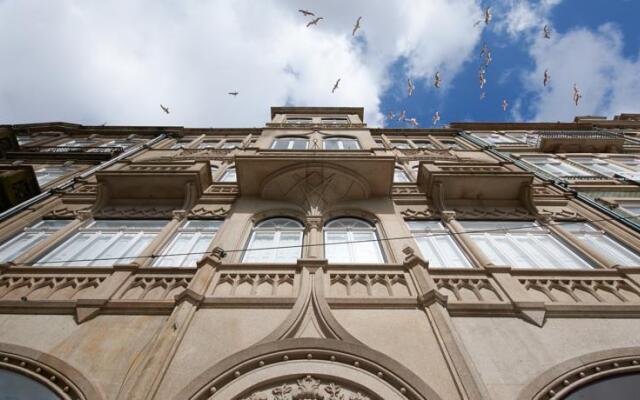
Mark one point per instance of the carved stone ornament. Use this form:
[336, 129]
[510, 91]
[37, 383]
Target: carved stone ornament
[416, 212]
[68, 211]
[308, 388]
[209, 211]
[562, 213]
[492, 213]
[135, 212]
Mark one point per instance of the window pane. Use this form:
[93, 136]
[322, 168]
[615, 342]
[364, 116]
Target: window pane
[604, 244]
[29, 237]
[336, 253]
[436, 245]
[282, 235]
[15, 386]
[358, 242]
[399, 176]
[229, 175]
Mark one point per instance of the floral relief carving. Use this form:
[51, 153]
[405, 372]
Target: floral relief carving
[308, 388]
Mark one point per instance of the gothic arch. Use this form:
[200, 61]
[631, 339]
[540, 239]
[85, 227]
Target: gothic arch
[569, 375]
[329, 360]
[55, 374]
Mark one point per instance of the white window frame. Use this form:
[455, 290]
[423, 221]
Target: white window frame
[429, 235]
[278, 227]
[142, 233]
[599, 240]
[44, 174]
[490, 235]
[356, 226]
[600, 166]
[400, 175]
[558, 167]
[200, 231]
[29, 237]
[290, 141]
[341, 141]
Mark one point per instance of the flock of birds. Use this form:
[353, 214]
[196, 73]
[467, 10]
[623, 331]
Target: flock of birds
[485, 54]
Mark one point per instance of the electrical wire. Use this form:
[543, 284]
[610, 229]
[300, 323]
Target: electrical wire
[413, 236]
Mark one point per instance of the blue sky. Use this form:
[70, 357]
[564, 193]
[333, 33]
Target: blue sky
[115, 62]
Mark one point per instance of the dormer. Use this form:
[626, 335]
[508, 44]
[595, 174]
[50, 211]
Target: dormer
[317, 117]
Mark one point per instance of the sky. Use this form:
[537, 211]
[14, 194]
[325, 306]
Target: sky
[114, 62]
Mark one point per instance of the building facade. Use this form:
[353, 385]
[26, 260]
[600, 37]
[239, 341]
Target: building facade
[317, 258]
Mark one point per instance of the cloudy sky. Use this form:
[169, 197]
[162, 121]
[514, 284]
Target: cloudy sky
[114, 62]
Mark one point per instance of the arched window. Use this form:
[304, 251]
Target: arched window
[341, 143]
[399, 176]
[290, 143]
[351, 240]
[281, 239]
[619, 387]
[19, 387]
[229, 175]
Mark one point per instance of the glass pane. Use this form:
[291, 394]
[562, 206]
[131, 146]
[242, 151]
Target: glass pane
[19, 244]
[180, 245]
[286, 253]
[365, 248]
[331, 145]
[261, 240]
[399, 176]
[14, 386]
[336, 253]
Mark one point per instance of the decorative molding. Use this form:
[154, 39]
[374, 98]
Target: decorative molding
[492, 213]
[47, 287]
[582, 291]
[209, 211]
[368, 285]
[68, 211]
[468, 289]
[135, 212]
[397, 190]
[155, 287]
[559, 213]
[308, 388]
[416, 212]
[236, 284]
[222, 189]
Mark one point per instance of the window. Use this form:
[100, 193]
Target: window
[632, 207]
[436, 244]
[522, 244]
[78, 143]
[15, 386]
[231, 144]
[350, 240]
[209, 144]
[603, 244]
[400, 144]
[290, 143]
[104, 243]
[299, 120]
[29, 237]
[106, 147]
[182, 143]
[451, 144]
[214, 170]
[557, 167]
[189, 244]
[335, 120]
[601, 166]
[341, 143]
[423, 144]
[22, 139]
[281, 239]
[399, 176]
[229, 175]
[512, 138]
[50, 173]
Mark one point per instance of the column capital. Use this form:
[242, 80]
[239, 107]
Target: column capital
[448, 216]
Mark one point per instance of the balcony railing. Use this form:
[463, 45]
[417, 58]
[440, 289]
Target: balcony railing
[580, 141]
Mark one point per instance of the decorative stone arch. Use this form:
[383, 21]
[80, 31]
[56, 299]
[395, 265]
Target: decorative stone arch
[352, 366]
[55, 374]
[293, 213]
[574, 373]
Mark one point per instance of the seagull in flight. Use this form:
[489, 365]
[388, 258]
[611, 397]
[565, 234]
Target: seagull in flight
[165, 109]
[504, 105]
[482, 78]
[356, 26]
[577, 94]
[410, 87]
[437, 81]
[547, 32]
[233, 93]
[307, 13]
[314, 21]
[390, 115]
[412, 121]
[482, 95]
[335, 86]
[402, 115]
[547, 77]
[436, 118]
[485, 52]
[487, 15]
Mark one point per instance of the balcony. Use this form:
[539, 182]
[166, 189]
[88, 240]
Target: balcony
[89, 153]
[580, 142]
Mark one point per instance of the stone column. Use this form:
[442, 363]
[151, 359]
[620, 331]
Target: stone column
[314, 238]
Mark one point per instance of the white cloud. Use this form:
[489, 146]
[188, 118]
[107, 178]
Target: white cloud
[95, 61]
[594, 60]
[517, 17]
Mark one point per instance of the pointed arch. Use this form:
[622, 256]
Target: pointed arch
[55, 374]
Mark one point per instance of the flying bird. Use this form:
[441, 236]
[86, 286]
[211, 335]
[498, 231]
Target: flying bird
[335, 86]
[165, 109]
[356, 26]
[314, 21]
[547, 32]
[233, 93]
[410, 87]
[482, 95]
[307, 13]
[402, 115]
[504, 105]
[577, 94]
[487, 15]
[485, 52]
[547, 77]
[390, 115]
[436, 118]
[437, 81]
[482, 78]
[412, 121]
